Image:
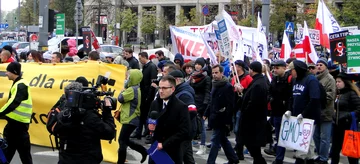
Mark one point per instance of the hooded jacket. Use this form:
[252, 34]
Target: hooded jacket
[306, 93]
[226, 65]
[130, 99]
[328, 82]
[180, 58]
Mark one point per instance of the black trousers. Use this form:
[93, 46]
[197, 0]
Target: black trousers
[124, 142]
[338, 139]
[18, 139]
[255, 152]
[144, 111]
[187, 151]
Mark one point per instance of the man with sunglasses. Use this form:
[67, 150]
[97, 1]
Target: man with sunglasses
[312, 68]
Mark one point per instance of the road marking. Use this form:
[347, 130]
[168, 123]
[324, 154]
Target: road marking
[48, 153]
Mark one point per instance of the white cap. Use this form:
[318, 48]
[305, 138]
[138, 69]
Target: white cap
[109, 55]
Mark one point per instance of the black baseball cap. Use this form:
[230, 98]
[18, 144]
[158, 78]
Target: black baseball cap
[280, 63]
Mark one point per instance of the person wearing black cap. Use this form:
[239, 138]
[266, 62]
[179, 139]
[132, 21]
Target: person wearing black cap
[280, 92]
[305, 101]
[254, 112]
[347, 102]
[322, 133]
[17, 111]
[185, 93]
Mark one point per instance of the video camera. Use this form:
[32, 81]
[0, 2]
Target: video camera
[89, 98]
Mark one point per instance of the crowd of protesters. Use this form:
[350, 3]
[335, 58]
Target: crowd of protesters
[232, 96]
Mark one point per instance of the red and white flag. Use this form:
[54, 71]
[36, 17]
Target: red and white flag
[298, 52]
[325, 23]
[285, 48]
[308, 47]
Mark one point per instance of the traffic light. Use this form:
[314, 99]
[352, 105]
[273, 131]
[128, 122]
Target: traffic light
[51, 21]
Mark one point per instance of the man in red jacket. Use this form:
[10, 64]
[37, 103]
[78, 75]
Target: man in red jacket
[5, 57]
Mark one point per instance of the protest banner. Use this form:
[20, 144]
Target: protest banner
[296, 135]
[47, 83]
[353, 53]
[187, 43]
[313, 34]
[337, 46]
[181, 35]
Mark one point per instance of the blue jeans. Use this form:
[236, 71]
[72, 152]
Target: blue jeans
[322, 138]
[237, 119]
[219, 138]
[203, 132]
[280, 151]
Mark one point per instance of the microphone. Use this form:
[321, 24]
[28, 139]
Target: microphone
[153, 119]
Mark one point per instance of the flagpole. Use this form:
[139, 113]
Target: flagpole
[323, 20]
[306, 58]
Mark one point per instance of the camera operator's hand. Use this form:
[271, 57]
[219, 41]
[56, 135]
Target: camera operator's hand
[154, 85]
[151, 127]
[107, 102]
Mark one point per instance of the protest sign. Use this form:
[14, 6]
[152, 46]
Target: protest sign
[313, 34]
[296, 135]
[353, 53]
[337, 47]
[225, 47]
[47, 83]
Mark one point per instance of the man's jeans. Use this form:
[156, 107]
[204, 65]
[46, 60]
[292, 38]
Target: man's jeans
[219, 138]
[280, 151]
[322, 138]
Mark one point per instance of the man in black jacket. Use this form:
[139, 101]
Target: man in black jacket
[186, 94]
[220, 116]
[133, 62]
[173, 123]
[280, 92]
[149, 72]
[253, 114]
[80, 134]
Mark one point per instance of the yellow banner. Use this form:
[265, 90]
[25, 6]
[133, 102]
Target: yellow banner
[47, 82]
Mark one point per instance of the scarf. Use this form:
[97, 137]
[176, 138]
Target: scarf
[197, 76]
[219, 83]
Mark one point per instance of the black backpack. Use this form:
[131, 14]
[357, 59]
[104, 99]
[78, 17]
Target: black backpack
[52, 124]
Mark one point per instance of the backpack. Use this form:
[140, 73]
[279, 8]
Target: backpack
[52, 122]
[323, 100]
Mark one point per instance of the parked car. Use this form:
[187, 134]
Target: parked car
[7, 42]
[111, 49]
[20, 46]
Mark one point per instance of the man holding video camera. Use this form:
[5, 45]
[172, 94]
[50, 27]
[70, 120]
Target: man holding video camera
[81, 129]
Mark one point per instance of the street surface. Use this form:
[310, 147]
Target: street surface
[44, 155]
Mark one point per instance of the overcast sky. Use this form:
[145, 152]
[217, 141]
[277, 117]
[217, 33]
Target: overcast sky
[8, 5]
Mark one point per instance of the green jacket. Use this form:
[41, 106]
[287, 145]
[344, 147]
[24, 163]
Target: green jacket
[329, 84]
[130, 99]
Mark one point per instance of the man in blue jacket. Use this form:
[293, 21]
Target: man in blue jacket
[225, 63]
[305, 101]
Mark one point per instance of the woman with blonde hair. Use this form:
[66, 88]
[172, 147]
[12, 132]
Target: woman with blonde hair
[346, 103]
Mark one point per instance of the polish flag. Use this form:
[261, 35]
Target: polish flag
[298, 52]
[308, 47]
[325, 23]
[285, 48]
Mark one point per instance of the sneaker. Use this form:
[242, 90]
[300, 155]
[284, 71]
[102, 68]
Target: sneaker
[202, 150]
[270, 152]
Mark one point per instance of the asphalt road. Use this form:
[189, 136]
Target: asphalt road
[44, 155]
